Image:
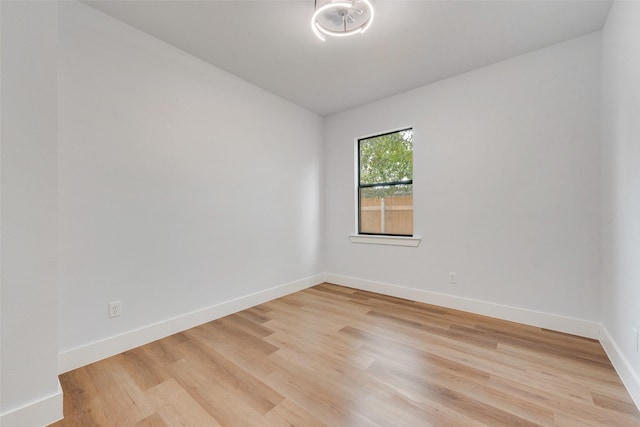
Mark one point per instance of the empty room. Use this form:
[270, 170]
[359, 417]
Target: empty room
[320, 213]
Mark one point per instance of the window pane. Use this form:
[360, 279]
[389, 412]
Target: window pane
[387, 210]
[387, 158]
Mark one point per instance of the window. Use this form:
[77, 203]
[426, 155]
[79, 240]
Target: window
[385, 184]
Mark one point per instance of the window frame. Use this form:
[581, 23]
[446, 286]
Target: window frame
[379, 237]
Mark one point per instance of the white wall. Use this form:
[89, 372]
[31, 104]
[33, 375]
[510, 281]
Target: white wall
[30, 393]
[621, 188]
[180, 186]
[506, 184]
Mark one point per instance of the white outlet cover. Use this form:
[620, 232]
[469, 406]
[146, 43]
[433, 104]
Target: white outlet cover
[115, 309]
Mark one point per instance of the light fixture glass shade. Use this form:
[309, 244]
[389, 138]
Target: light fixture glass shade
[341, 17]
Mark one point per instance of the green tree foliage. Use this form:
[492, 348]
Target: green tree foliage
[387, 159]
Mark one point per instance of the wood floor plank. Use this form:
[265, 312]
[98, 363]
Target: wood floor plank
[249, 389]
[153, 420]
[142, 368]
[617, 405]
[177, 407]
[119, 397]
[234, 348]
[243, 324]
[217, 399]
[565, 406]
[335, 356]
[82, 399]
[166, 350]
[287, 413]
[311, 392]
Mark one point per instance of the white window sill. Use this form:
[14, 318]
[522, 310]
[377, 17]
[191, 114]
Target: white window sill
[385, 240]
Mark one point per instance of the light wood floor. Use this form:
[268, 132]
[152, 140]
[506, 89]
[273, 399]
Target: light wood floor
[336, 356]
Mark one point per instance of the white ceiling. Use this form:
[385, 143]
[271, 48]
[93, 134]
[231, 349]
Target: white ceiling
[410, 44]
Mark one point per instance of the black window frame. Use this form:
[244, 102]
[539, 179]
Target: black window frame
[384, 184]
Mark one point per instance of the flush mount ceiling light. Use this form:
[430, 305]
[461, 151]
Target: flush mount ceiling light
[341, 17]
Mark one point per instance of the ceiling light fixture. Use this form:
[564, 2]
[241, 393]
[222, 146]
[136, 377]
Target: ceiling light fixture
[341, 17]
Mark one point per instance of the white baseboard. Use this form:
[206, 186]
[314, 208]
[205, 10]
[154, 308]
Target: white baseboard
[42, 412]
[86, 354]
[628, 375]
[570, 325]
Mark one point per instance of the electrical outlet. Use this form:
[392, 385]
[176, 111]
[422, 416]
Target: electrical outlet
[115, 309]
[635, 337]
[452, 278]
